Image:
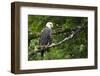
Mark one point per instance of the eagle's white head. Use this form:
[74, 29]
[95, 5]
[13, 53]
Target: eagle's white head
[49, 25]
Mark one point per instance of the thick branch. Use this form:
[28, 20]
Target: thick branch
[36, 50]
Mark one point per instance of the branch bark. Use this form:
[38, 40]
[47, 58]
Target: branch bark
[73, 33]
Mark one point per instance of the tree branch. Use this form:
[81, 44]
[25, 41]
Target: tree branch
[73, 33]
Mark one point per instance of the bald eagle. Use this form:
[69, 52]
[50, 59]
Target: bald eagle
[45, 37]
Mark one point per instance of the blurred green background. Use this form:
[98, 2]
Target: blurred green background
[73, 48]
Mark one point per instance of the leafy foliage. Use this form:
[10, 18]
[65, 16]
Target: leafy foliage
[73, 48]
